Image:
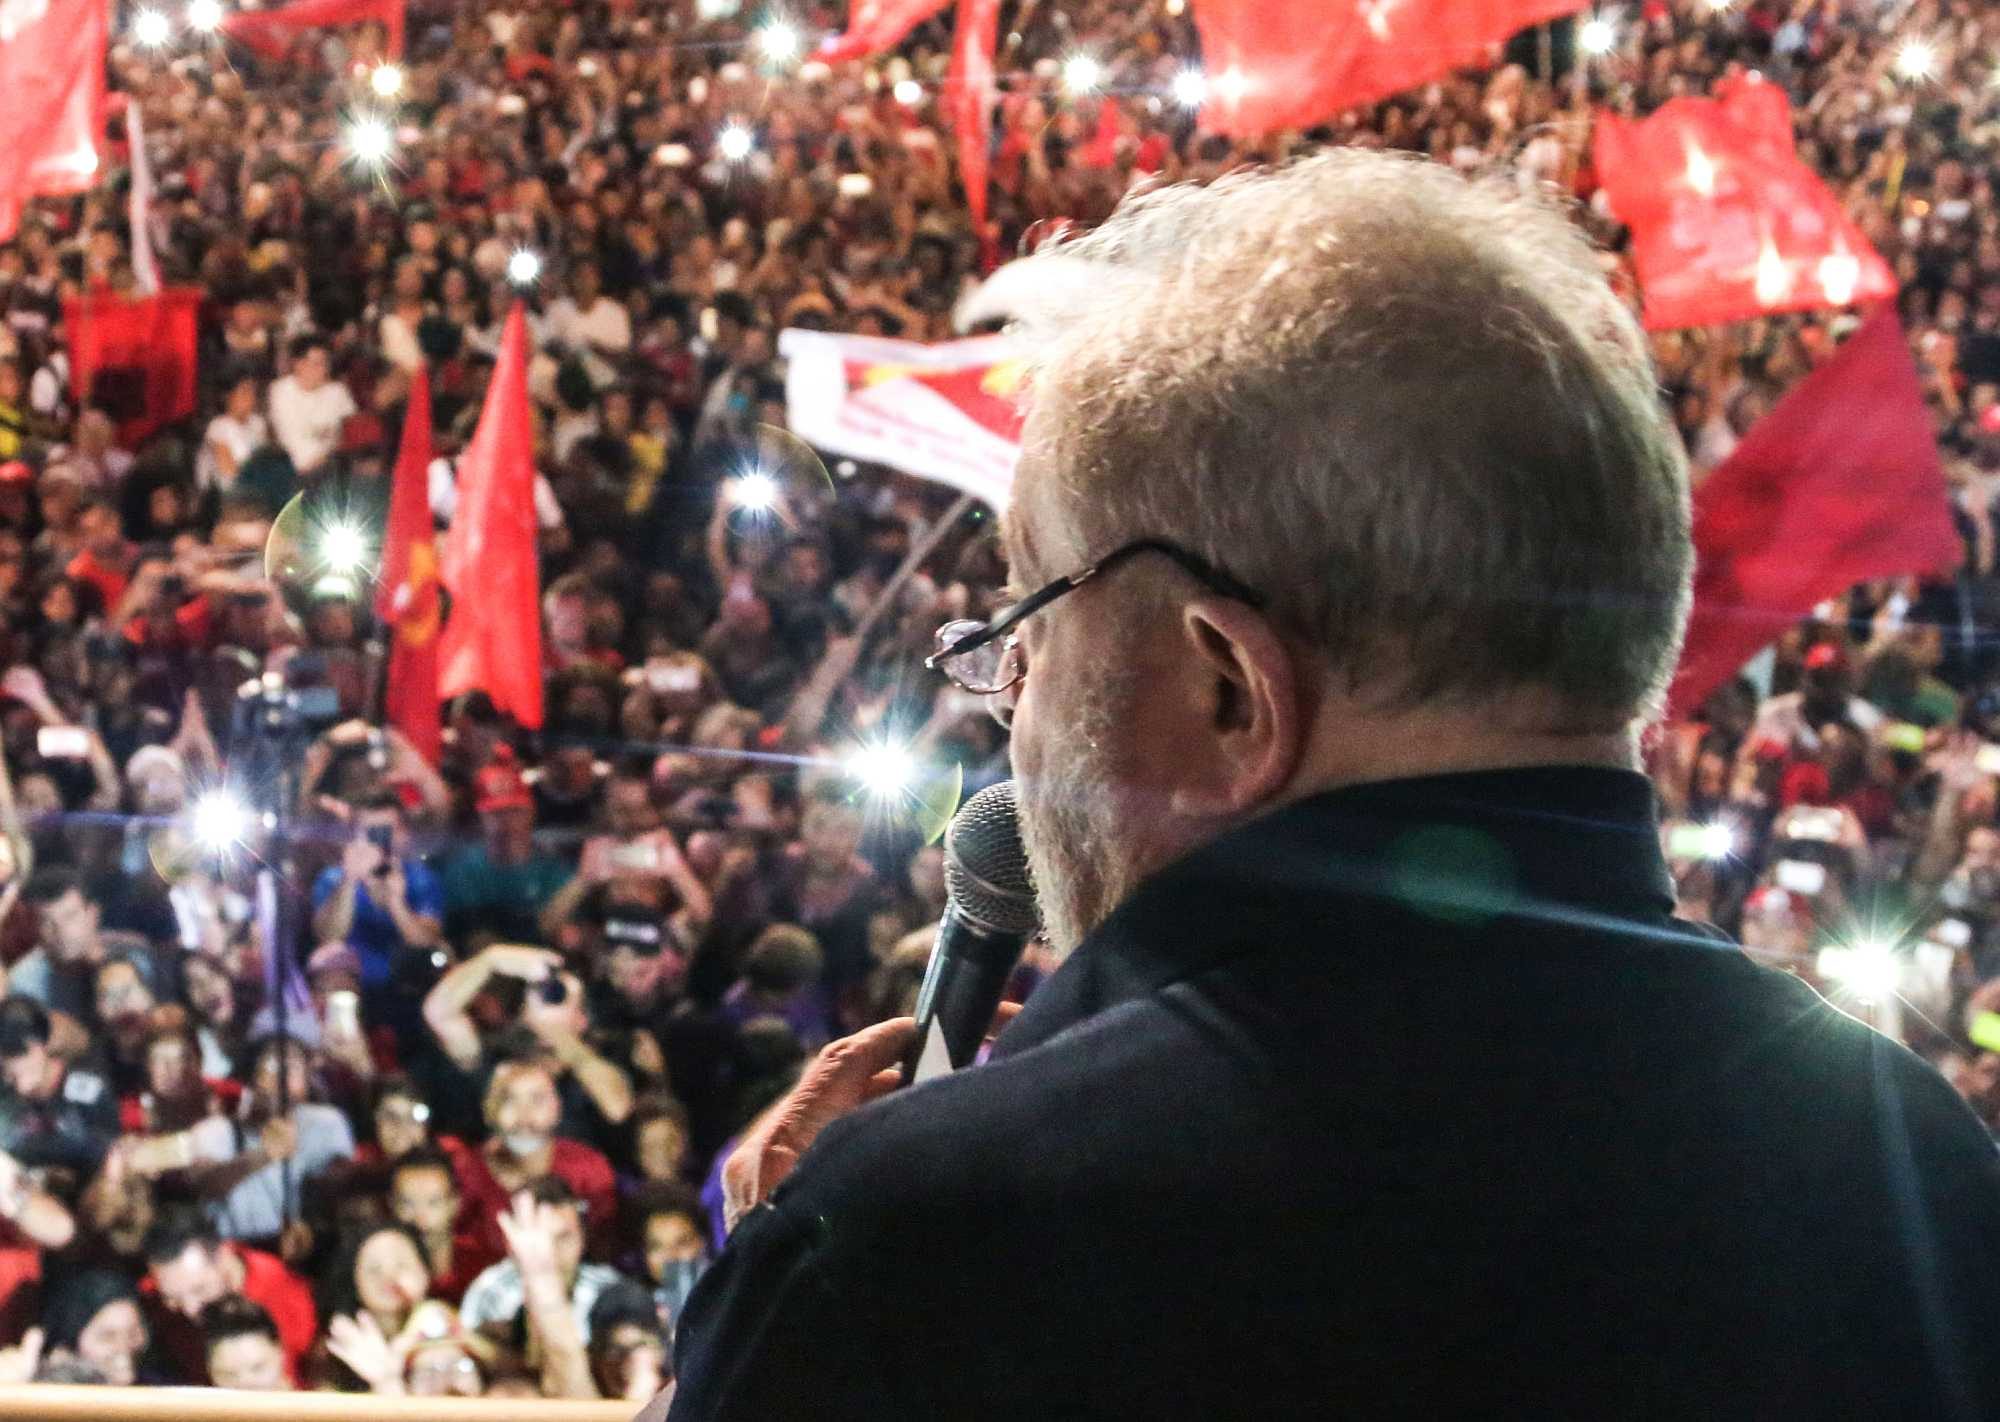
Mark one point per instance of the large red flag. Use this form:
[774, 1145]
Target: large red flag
[407, 598]
[493, 641]
[969, 92]
[271, 32]
[1727, 223]
[1839, 484]
[134, 357]
[51, 100]
[876, 25]
[1275, 64]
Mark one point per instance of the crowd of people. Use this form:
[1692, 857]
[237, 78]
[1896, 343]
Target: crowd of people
[546, 980]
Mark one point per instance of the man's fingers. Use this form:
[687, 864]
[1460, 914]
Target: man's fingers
[882, 1083]
[873, 1049]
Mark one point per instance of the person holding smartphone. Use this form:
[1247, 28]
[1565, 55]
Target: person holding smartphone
[379, 900]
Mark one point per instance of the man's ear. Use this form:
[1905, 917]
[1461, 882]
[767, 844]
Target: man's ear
[1251, 702]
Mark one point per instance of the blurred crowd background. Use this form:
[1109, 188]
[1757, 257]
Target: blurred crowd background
[552, 976]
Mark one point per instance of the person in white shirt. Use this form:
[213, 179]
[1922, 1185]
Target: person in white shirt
[591, 325]
[309, 407]
[232, 437]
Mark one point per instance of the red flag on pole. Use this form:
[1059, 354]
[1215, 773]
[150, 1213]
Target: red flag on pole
[271, 32]
[493, 641]
[1274, 64]
[1727, 223]
[134, 357]
[876, 25]
[1839, 484]
[969, 92]
[407, 597]
[51, 100]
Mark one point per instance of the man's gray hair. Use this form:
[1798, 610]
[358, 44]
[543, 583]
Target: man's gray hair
[1406, 407]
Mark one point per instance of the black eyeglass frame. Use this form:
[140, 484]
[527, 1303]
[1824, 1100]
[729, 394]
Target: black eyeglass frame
[1008, 618]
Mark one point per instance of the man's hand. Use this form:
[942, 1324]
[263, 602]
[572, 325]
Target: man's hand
[18, 1364]
[845, 1075]
[530, 1228]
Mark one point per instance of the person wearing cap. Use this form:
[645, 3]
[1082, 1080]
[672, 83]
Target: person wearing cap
[501, 884]
[1825, 696]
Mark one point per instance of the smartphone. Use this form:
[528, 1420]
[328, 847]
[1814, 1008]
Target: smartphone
[856, 185]
[62, 743]
[343, 1014]
[1986, 760]
[673, 677]
[1812, 823]
[1799, 876]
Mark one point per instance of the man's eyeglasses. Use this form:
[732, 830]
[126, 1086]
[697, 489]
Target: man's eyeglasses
[985, 657]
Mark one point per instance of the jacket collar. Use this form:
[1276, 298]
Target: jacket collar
[1576, 845]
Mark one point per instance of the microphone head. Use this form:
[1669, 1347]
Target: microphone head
[985, 867]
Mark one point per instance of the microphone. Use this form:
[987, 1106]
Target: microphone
[989, 915]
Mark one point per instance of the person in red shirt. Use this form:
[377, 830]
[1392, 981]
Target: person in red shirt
[105, 561]
[522, 1110]
[424, 1194]
[189, 1267]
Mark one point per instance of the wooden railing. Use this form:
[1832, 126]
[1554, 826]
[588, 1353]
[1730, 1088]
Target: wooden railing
[50, 1402]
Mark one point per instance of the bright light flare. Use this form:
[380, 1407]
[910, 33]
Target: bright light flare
[884, 771]
[219, 820]
[1839, 274]
[756, 492]
[1081, 74]
[343, 548]
[1190, 88]
[1916, 60]
[386, 80]
[908, 92]
[370, 141]
[1717, 7]
[204, 16]
[1597, 37]
[1773, 279]
[1701, 171]
[1718, 840]
[779, 42]
[1868, 971]
[1232, 84]
[152, 28]
[735, 143]
[523, 267]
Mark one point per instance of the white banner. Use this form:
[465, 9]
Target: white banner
[945, 412]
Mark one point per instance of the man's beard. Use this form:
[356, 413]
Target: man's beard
[1071, 828]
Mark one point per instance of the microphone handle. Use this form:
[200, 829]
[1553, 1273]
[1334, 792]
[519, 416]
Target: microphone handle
[963, 983]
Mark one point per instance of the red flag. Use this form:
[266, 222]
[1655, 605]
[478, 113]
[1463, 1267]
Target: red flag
[1839, 484]
[1727, 223]
[407, 598]
[51, 100]
[1275, 64]
[969, 92]
[493, 641]
[271, 32]
[134, 356]
[876, 25]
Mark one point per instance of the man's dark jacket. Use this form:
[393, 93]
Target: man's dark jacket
[1410, 1100]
